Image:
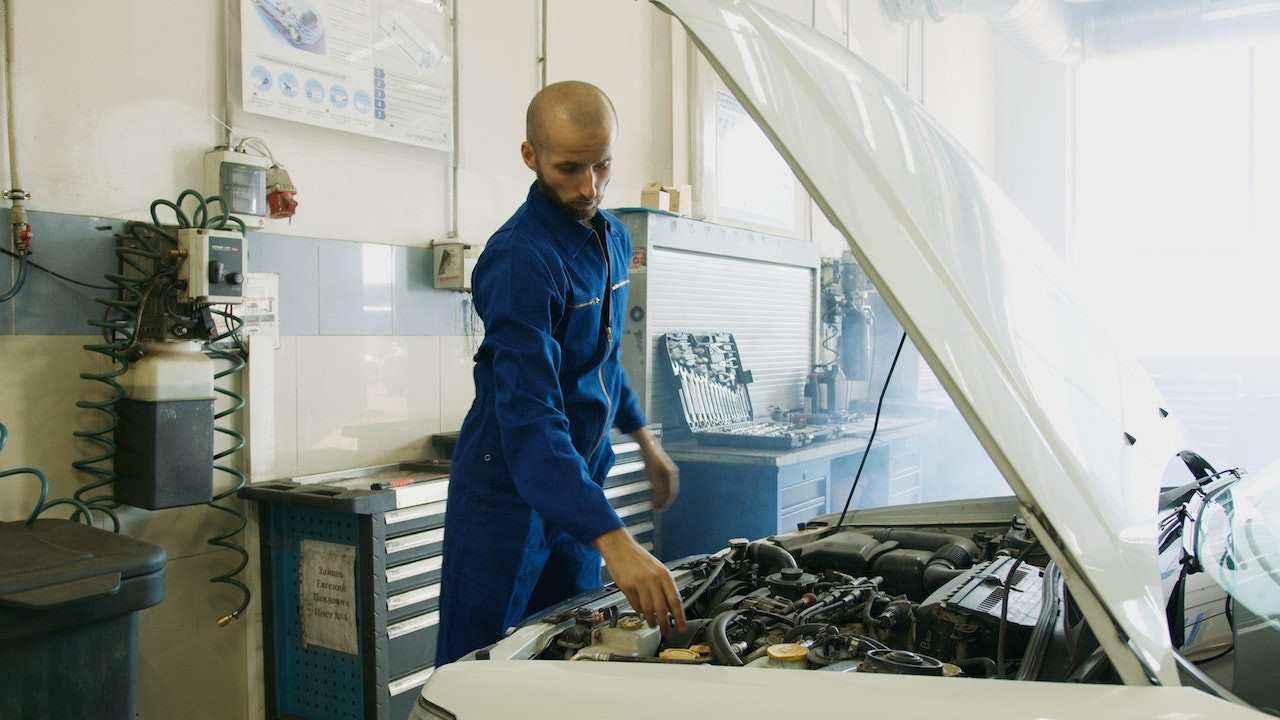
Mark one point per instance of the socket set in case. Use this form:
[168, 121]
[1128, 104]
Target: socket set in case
[713, 396]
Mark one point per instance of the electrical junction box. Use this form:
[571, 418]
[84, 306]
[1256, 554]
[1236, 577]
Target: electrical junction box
[241, 180]
[215, 266]
[451, 268]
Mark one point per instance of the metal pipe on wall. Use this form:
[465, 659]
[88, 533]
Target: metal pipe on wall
[11, 142]
[541, 51]
[451, 187]
[21, 231]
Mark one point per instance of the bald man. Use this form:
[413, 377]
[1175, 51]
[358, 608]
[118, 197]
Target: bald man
[527, 520]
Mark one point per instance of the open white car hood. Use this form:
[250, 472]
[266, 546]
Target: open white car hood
[1079, 432]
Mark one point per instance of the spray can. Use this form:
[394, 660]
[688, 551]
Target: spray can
[812, 393]
[837, 390]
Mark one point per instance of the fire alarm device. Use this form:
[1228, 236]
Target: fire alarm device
[241, 180]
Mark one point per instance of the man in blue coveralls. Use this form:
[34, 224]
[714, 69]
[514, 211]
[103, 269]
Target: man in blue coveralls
[527, 520]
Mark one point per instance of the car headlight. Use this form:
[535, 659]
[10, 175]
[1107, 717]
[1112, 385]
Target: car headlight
[427, 710]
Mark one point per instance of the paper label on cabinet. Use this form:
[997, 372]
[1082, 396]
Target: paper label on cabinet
[327, 591]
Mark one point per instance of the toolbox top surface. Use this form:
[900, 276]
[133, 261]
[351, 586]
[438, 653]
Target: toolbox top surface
[361, 491]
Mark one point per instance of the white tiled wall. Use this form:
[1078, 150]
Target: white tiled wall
[379, 400]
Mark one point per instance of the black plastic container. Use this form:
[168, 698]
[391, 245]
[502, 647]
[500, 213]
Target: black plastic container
[69, 596]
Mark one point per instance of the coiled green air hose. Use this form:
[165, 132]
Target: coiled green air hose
[237, 363]
[147, 272]
[41, 505]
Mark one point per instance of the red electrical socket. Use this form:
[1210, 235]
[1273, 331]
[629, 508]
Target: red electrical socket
[280, 192]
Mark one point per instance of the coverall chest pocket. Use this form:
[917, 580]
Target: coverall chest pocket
[581, 325]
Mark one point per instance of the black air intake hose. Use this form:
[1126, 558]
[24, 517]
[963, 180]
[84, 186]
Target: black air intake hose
[949, 561]
[952, 554]
[924, 539]
[767, 554]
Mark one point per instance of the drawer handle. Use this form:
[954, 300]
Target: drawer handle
[803, 506]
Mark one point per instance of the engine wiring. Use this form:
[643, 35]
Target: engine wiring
[860, 602]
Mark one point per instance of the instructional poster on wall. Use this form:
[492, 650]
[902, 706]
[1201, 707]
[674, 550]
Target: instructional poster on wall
[327, 595]
[381, 68]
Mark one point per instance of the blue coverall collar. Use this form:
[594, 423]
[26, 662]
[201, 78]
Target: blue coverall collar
[572, 235]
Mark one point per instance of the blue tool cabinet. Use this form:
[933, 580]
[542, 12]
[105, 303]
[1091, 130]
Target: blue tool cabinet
[386, 545]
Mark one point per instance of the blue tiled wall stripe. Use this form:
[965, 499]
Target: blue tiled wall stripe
[327, 287]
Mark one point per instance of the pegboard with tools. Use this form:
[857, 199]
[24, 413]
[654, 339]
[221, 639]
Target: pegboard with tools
[712, 384]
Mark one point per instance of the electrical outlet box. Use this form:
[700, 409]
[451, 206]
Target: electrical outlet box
[215, 266]
[451, 268]
[241, 180]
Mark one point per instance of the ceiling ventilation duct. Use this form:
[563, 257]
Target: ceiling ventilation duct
[1071, 32]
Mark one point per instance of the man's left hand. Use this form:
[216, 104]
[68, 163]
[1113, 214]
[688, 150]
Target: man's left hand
[662, 471]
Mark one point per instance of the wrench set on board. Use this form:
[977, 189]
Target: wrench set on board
[713, 395]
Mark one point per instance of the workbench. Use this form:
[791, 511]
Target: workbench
[730, 492]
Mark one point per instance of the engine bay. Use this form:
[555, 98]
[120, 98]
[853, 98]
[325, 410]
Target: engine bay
[975, 601]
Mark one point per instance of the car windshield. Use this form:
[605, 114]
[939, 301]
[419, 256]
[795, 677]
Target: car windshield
[1237, 542]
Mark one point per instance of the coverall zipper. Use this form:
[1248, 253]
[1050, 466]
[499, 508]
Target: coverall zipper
[606, 315]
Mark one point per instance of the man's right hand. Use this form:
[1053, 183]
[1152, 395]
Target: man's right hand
[645, 581]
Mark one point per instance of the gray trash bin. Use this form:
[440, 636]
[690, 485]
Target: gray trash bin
[69, 596]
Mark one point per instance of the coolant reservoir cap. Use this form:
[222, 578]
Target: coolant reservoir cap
[678, 654]
[788, 652]
[631, 622]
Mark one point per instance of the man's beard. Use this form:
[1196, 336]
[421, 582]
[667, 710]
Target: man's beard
[569, 209]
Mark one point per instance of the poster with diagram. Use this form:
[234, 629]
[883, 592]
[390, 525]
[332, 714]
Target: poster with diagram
[381, 68]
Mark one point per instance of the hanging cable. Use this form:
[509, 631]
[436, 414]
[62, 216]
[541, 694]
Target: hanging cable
[1009, 579]
[874, 426]
[54, 273]
[17, 283]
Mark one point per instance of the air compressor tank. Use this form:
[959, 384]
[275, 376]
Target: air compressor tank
[164, 456]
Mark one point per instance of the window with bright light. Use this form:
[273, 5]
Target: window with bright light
[1178, 230]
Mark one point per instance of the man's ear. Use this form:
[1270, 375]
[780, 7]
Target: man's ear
[527, 154]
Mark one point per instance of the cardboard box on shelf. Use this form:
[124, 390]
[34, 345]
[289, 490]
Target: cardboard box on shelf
[669, 198]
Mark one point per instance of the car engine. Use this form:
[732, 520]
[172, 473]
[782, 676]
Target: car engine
[974, 601]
